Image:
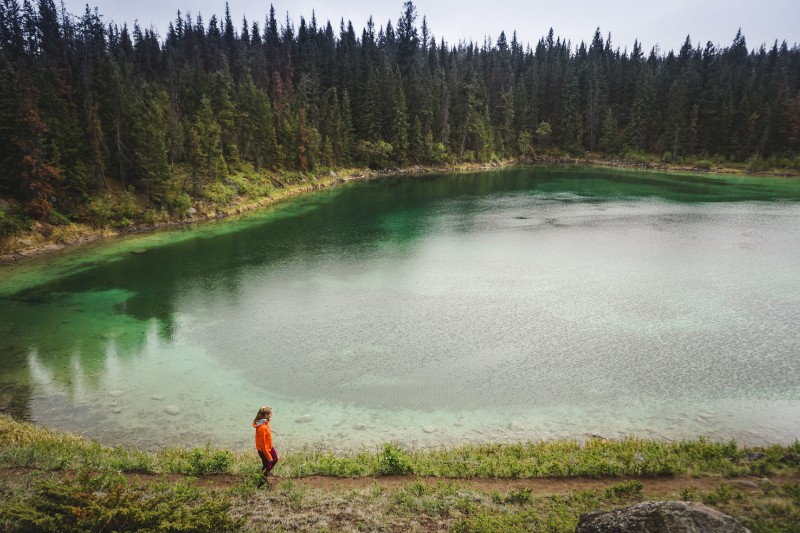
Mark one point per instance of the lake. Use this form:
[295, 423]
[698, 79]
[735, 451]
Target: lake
[525, 303]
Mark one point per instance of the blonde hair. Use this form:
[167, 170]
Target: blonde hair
[264, 412]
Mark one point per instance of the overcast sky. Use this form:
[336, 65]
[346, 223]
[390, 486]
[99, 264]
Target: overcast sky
[662, 23]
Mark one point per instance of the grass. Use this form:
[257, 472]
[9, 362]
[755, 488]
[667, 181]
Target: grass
[85, 502]
[61, 482]
[26, 445]
[594, 458]
[451, 506]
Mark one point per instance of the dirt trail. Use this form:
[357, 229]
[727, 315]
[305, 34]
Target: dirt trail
[660, 486]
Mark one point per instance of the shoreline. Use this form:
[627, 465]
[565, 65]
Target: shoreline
[42, 240]
[83, 234]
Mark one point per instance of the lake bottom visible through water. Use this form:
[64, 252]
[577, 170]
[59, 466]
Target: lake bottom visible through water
[510, 306]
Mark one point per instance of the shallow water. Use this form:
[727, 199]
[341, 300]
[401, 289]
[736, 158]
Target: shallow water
[520, 304]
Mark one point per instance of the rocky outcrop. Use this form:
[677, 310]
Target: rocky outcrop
[660, 517]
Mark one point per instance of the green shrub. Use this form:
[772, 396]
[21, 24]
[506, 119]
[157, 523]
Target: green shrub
[219, 193]
[722, 494]
[520, 497]
[101, 209]
[330, 465]
[204, 461]
[637, 157]
[57, 219]
[127, 204]
[11, 224]
[181, 204]
[438, 154]
[377, 154]
[626, 489]
[108, 503]
[393, 461]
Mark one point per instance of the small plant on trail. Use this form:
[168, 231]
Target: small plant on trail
[626, 489]
[520, 497]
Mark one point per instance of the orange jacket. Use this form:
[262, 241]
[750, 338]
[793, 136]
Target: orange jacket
[264, 439]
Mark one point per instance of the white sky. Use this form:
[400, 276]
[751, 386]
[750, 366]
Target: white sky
[654, 23]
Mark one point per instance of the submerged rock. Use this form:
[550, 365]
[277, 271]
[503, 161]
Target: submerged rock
[304, 418]
[660, 517]
[429, 429]
[359, 425]
[116, 393]
[172, 409]
[158, 397]
[516, 426]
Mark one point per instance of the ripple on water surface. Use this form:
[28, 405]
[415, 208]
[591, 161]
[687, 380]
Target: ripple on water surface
[429, 311]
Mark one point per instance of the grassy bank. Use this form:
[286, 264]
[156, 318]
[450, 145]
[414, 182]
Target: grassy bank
[60, 482]
[23, 445]
[118, 211]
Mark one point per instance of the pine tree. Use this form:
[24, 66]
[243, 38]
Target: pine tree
[372, 113]
[302, 141]
[38, 172]
[149, 145]
[397, 130]
[571, 123]
[87, 108]
[639, 129]
[609, 136]
[206, 159]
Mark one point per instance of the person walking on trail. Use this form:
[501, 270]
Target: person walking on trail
[266, 451]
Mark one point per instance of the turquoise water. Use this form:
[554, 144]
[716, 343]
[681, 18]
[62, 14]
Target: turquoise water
[530, 303]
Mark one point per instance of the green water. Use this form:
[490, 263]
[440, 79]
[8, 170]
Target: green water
[530, 303]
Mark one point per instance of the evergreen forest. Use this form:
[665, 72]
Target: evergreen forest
[89, 107]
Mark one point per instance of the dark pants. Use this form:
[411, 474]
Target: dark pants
[266, 464]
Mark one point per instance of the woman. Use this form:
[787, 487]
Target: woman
[264, 442]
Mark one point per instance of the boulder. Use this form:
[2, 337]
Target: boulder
[660, 517]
